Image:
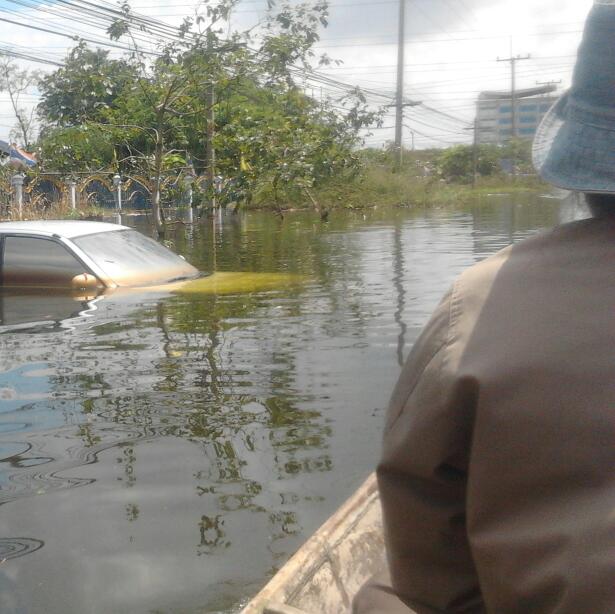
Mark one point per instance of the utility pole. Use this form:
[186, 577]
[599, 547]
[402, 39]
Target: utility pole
[399, 100]
[410, 130]
[474, 128]
[210, 152]
[475, 153]
[210, 131]
[513, 88]
[513, 102]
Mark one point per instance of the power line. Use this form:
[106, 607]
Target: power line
[24, 56]
[152, 30]
[73, 32]
[72, 37]
[414, 41]
[413, 66]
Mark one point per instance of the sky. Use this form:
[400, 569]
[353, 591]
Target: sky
[451, 52]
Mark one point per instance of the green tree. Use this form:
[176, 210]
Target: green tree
[274, 141]
[147, 120]
[279, 145]
[457, 163]
[80, 148]
[519, 152]
[84, 88]
[159, 117]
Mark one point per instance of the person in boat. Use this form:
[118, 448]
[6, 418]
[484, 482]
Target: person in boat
[497, 476]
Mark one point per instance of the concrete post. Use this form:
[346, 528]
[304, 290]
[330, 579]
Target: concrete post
[17, 184]
[189, 216]
[117, 184]
[72, 185]
[188, 183]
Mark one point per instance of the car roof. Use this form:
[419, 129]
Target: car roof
[64, 228]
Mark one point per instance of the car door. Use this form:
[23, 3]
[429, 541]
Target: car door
[37, 262]
[36, 281]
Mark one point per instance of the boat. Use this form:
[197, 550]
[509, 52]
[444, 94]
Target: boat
[324, 575]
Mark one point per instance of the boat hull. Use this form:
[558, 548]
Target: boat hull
[329, 569]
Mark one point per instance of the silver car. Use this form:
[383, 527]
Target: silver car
[45, 266]
[84, 255]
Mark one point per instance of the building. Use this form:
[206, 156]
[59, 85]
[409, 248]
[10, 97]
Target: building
[495, 117]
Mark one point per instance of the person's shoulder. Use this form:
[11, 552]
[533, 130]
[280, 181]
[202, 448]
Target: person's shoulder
[570, 241]
[536, 261]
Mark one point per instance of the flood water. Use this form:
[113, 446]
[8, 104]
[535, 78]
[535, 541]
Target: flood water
[167, 453]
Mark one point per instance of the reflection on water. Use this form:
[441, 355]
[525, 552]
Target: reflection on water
[36, 312]
[171, 451]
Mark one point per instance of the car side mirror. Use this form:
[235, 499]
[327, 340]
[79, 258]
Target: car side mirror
[85, 281]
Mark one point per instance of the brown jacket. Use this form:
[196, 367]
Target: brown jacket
[498, 472]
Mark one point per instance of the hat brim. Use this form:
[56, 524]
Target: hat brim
[572, 154]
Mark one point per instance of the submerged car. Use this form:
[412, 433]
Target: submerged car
[84, 256]
[84, 259]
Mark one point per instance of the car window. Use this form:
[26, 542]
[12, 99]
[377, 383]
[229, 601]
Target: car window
[31, 261]
[130, 258]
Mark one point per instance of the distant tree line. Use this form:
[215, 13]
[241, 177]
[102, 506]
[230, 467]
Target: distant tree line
[462, 162]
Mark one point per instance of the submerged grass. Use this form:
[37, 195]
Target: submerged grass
[379, 186]
[62, 210]
[239, 283]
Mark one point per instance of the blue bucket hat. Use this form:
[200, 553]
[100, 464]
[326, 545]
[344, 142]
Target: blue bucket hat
[574, 147]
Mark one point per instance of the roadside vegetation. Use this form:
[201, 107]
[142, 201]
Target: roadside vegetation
[227, 111]
[438, 177]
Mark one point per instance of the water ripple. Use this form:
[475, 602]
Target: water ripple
[191, 443]
[14, 547]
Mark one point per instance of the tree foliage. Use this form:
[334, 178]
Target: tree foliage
[457, 163]
[270, 137]
[85, 87]
[82, 148]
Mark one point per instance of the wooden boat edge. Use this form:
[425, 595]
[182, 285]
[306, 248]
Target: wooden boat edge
[277, 595]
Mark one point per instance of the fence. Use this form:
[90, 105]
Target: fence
[41, 192]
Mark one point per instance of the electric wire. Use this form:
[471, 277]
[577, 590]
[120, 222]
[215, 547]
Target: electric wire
[103, 14]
